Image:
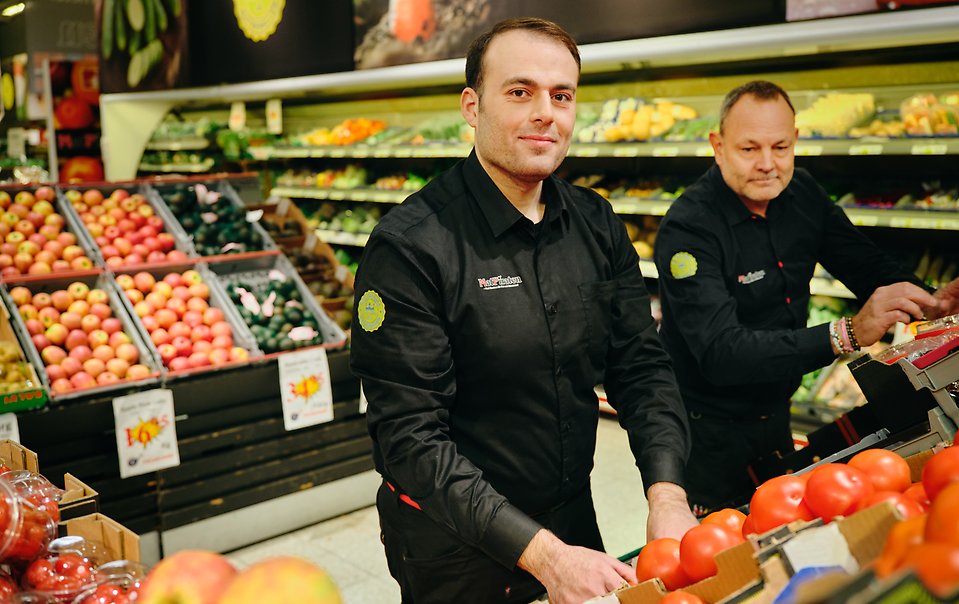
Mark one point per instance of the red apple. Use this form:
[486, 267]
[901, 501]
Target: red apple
[199, 359]
[53, 355]
[67, 239]
[159, 336]
[81, 307]
[193, 318]
[197, 305]
[20, 295]
[40, 268]
[111, 325]
[101, 310]
[106, 378]
[55, 372]
[94, 366]
[118, 367]
[176, 256]
[184, 346]
[48, 315]
[155, 257]
[134, 259]
[71, 365]
[81, 264]
[138, 372]
[92, 197]
[45, 193]
[163, 288]
[128, 352]
[60, 266]
[61, 385]
[104, 352]
[34, 326]
[134, 295]
[71, 320]
[57, 333]
[23, 262]
[179, 364]
[72, 251]
[180, 329]
[76, 337]
[144, 281]
[98, 337]
[219, 356]
[211, 316]
[82, 379]
[167, 352]
[42, 300]
[40, 341]
[81, 353]
[89, 323]
[118, 338]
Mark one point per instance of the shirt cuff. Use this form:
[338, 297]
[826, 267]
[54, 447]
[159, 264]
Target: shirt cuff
[508, 535]
[662, 467]
[814, 343]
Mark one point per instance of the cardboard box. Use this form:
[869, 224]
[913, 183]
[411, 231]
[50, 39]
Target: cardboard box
[78, 500]
[120, 542]
[18, 457]
[34, 395]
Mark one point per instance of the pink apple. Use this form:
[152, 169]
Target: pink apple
[184, 346]
[89, 323]
[134, 260]
[40, 341]
[23, 262]
[67, 239]
[72, 251]
[94, 366]
[60, 266]
[224, 342]
[219, 356]
[101, 310]
[167, 352]
[197, 305]
[92, 197]
[98, 337]
[193, 318]
[53, 355]
[118, 367]
[125, 282]
[55, 372]
[81, 264]
[176, 256]
[159, 336]
[81, 307]
[179, 364]
[76, 338]
[71, 320]
[48, 315]
[42, 300]
[212, 315]
[34, 326]
[104, 352]
[57, 333]
[82, 379]
[115, 263]
[61, 386]
[173, 280]
[199, 359]
[150, 323]
[138, 372]
[134, 295]
[106, 378]
[179, 329]
[81, 353]
[118, 338]
[71, 365]
[111, 325]
[128, 352]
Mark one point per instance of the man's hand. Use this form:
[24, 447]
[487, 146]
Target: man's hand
[573, 574]
[888, 305]
[669, 514]
[947, 301]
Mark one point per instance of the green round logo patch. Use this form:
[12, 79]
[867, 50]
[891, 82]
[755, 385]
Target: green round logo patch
[371, 311]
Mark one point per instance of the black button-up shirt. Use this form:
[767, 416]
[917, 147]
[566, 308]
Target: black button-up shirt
[735, 291]
[481, 347]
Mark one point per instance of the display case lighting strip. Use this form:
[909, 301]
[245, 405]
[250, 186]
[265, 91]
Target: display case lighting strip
[861, 32]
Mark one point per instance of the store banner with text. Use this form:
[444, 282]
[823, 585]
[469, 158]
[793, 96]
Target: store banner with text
[146, 434]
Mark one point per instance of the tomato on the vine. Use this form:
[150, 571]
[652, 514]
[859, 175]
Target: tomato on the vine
[835, 489]
[886, 470]
[779, 501]
[749, 527]
[907, 507]
[681, 597]
[940, 470]
[942, 525]
[917, 493]
[700, 544]
[731, 519]
[660, 558]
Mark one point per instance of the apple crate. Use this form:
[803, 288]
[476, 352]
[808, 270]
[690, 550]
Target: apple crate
[147, 375]
[157, 337]
[27, 392]
[258, 275]
[225, 227]
[142, 213]
[73, 248]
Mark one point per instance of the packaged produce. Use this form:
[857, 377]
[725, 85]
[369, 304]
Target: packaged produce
[835, 114]
[25, 531]
[116, 582]
[634, 119]
[927, 115]
[65, 570]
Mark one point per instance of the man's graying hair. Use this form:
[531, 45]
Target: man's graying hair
[761, 89]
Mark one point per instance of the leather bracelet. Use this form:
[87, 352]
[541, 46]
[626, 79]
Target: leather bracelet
[852, 334]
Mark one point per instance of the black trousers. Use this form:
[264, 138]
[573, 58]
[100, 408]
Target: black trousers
[716, 474]
[433, 566]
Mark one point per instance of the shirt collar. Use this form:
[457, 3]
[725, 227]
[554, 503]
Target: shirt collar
[733, 208]
[500, 214]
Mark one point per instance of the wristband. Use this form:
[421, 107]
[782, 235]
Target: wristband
[854, 343]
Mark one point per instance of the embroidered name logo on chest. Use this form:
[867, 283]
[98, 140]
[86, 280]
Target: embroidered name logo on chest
[751, 277]
[499, 282]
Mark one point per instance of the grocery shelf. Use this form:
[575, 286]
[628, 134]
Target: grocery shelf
[199, 168]
[185, 144]
[342, 238]
[905, 219]
[361, 151]
[371, 195]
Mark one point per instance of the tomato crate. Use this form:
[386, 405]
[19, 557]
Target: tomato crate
[98, 320]
[259, 285]
[212, 218]
[171, 309]
[131, 229]
[39, 236]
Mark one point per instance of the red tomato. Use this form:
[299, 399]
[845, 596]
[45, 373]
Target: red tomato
[778, 501]
[939, 471]
[700, 544]
[681, 597]
[39, 573]
[834, 489]
[748, 528]
[886, 470]
[917, 493]
[936, 565]
[908, 508]
[7, 588]
[660, 558]
[902, 536]
[943, 523]
[727, 517]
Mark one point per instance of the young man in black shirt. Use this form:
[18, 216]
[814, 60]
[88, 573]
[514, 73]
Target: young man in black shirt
[489, 306]
[735, 255]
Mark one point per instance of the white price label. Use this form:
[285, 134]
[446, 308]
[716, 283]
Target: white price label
[867, 221]
[9, 427]
[403, 152]
[630, 151]
[809, 150]
[363, 403]
[587, 152]
[338, 152]
[237, 116]
[305, 388]
[16, 142]
[865, 150]
[930, 149]
[361, 152]
[665, 151]
[146, 434]
[274, 116]
[704, 151]
[382, 152]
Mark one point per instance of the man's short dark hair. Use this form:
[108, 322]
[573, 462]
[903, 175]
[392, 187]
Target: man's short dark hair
[477, 50]
[761, 89]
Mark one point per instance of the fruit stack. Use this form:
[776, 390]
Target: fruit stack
[181, 314]
[273, 301]
[80, 335]
[125, 227]
[35, 238]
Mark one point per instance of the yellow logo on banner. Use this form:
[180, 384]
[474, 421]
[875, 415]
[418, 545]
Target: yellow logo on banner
[258, 18]
[371, 311]
[682, 265]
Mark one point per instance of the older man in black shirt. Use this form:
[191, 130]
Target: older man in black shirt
[735, 255]
[489, 306]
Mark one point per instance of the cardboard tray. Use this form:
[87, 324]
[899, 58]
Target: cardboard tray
[259, 267]
[72, 224]
[96, 280]
[170, 226]
[120, 542]
[241, 332]
[32, 397]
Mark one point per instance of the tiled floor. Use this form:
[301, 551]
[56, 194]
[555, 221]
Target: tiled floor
[349, 547]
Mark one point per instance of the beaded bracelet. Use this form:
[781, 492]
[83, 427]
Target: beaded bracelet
[834, 336]
[851, 334]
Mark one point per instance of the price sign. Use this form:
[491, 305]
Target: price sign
[865, 150]
[305, 388]
[930, 149]
[809, 150]
[361, 152]
[587, 152]
[382, 152]
[665, 151]
[630, 151]
[403, 152]
[338, 152]
[704, 151]
[9, 427]
[237, 116]
[146, 434]
[274, 116]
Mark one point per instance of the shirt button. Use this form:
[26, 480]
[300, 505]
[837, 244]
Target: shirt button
[559, 370]
[567, 426]
[551, 309]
